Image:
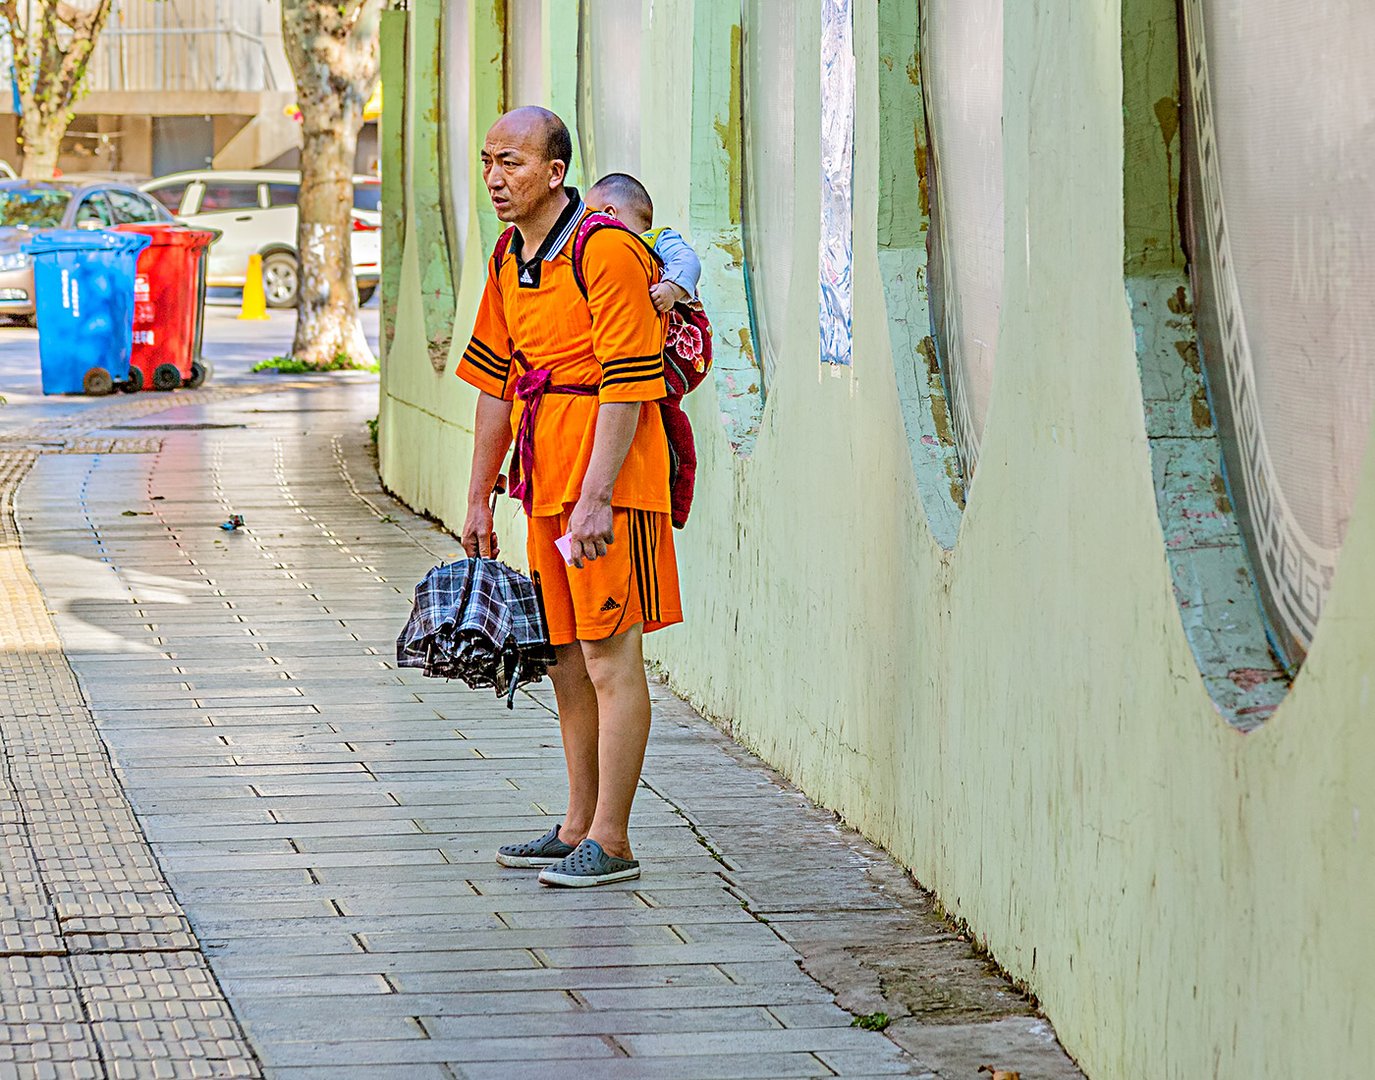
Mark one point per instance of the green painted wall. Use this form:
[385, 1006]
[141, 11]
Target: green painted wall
[1020, 719]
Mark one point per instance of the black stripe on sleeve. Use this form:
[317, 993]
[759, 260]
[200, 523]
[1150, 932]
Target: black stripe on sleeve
[621, 380]
[622, 362]
[642, 371]
[485, 366]
[490, 354]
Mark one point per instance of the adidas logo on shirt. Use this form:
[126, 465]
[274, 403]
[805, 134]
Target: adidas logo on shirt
[610, 605]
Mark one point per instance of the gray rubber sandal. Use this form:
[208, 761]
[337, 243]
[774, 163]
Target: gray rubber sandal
[545, 851]
[589, 865]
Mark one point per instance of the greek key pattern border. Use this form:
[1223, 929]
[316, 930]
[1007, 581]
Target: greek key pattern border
[1296, 573]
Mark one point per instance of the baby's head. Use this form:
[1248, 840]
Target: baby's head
[624, 198]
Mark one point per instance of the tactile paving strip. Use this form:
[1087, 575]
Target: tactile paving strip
[101, 976]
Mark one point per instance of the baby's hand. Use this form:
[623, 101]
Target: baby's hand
[665, 294]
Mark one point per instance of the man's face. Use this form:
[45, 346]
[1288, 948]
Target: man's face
[516, 169]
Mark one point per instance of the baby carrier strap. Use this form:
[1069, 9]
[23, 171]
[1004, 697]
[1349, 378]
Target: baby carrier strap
[592, 223]
[503, 245]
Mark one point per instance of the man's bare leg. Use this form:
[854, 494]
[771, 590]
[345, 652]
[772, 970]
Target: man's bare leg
[577, 699]
[617, 671]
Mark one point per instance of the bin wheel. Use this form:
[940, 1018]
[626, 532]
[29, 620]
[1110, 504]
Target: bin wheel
[200, 371]
[166, 377]
[365, 293]
[97, 382]
[134, 383]
[281, 279]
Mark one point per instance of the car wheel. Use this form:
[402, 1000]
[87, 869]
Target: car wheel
[134, 383]
[166, 377]
[281, 279]
[200, 371]
[365, 293]
[97, 382]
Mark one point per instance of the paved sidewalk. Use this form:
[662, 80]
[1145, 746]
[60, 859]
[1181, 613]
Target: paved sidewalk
[326, 822]
[100, 975]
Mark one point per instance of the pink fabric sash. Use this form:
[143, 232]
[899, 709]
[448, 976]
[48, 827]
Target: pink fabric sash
[531, 387]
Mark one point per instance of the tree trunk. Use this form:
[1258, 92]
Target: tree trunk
[42, 140]
[51, 42]
[334, 52]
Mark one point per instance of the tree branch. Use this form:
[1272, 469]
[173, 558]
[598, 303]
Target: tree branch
[19, 41]
[67, 79]
[351, 16]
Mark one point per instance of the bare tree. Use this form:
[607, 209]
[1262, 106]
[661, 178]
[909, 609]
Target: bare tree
[334, 50]
[51, 46]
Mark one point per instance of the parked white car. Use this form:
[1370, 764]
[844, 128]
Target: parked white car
[255, 210]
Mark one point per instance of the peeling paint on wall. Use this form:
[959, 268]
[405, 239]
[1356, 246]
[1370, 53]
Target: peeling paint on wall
[904, 223]
[394, 157]
[437, 293]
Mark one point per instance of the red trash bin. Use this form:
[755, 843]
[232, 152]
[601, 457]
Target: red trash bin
[169, 292]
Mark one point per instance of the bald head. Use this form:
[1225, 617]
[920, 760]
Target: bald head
[539, 127]
[524, 165]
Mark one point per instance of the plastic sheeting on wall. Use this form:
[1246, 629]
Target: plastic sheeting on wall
[1283, 223]
[837, 254]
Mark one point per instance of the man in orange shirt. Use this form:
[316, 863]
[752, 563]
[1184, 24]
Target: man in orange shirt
[574, 378]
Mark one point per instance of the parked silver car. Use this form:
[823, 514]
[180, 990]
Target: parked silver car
[255, 210]
[28, 207]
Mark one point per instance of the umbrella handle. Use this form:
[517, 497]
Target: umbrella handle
[499, 488]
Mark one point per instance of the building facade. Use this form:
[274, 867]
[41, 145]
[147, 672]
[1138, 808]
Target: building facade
[1035, 521]
[184, 84]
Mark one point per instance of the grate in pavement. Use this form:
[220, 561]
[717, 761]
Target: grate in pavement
[107, 446]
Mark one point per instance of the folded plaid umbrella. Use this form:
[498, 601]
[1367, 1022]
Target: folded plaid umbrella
[480, 621]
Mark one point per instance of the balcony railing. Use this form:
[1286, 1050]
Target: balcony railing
[181, 46]
[172, 59]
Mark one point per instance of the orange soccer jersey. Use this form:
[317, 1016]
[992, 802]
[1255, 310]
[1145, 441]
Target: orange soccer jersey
[611, 343]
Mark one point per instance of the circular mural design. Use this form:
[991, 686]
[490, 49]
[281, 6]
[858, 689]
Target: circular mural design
[1282, 221]
[962, 46]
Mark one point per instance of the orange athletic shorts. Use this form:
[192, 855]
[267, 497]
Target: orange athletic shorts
[636, 581]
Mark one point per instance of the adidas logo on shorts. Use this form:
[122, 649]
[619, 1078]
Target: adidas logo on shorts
[610, 605]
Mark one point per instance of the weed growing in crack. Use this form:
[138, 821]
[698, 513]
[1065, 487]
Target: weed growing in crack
[875, 1021]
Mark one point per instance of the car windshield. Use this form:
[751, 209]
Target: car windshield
[33, 208]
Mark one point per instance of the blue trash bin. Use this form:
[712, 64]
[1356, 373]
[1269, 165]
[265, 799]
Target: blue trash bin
[84, 295]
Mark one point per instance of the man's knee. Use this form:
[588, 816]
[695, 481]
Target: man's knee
[569, 670]
[614, 662]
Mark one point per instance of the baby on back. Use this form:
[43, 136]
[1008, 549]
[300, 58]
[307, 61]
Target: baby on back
[621, 196]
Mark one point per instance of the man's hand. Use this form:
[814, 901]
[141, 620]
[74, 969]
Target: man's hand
[665, 294]
[479, 537]
[591, 530]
